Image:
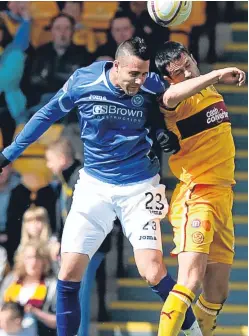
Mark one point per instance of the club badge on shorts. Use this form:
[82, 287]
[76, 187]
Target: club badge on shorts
[198, 237]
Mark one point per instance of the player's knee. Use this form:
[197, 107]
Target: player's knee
[69, 274]
[153, 273]
[217, 293]
[192, 279]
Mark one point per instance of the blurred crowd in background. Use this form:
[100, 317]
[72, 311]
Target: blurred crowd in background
[41, 45]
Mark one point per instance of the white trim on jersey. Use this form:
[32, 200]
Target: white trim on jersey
[147, 90]
[97, 81]
[85, 99]
[101, 78]
[83, 128]
[61, 105]
[150, 141]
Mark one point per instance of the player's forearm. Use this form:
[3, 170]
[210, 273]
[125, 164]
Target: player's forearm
[37, 125]
[57, 108]
[181, 91]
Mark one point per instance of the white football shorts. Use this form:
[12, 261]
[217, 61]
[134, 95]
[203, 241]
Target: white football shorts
[96, 204]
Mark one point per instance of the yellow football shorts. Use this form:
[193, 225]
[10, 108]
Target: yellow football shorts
[202, 221]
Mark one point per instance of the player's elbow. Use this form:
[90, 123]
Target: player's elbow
[170, 99]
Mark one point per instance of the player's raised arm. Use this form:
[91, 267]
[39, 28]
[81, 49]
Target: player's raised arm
[179, 68]
[55, 109]
[181, 91]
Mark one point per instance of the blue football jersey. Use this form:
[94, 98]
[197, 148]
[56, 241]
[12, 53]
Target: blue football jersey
[115, 127]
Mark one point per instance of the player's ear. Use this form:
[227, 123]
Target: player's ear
[116, 65]
[168, 79]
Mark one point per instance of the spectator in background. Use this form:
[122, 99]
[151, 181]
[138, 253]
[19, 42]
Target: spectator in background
[12, 16]
[12, 321]
[4, 265]
[36, 226]
[12, 62]
[145, 27]
[9, 179]
[31, 286]
[204, 22]
[54, 62]
[121, 30]
[82, 34]
[61, 160]
[21, 198]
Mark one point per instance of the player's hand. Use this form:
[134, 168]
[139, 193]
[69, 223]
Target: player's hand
[232, 76]
[3, 162]
[169, 142]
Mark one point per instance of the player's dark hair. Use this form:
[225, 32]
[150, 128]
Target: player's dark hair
[135, 46]
[15, 308]
[169, 52]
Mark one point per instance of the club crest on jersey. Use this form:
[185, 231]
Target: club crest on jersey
[137, 100]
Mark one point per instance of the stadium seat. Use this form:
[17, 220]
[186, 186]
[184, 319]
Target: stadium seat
[42, 13]
[52, 134]
[43, 10]
[86, 37]
[98, 14]
[32, 163]
[34, 170]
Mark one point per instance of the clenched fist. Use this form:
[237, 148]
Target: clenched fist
[232, 76]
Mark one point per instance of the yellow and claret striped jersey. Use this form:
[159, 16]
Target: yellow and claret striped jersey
[207, 153]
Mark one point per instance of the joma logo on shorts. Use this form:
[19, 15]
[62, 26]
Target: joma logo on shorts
[147, 238]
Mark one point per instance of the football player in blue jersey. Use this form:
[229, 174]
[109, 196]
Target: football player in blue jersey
[116, 103]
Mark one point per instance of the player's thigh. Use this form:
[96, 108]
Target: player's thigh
[191, 269]
[216, 282]
[89, 220]
[222, 248]
[141, 207]
[192, 217]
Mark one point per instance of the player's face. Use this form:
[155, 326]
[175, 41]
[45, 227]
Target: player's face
[182, 69]
[131, 73]
[62, 32]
